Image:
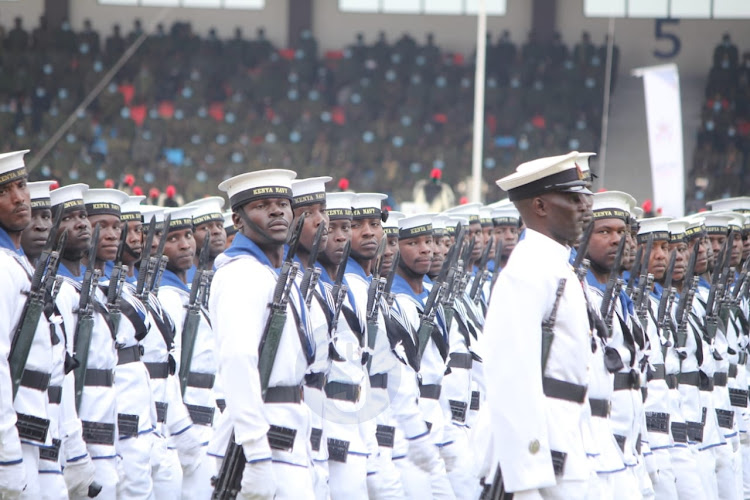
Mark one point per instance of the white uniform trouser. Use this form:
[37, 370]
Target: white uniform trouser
[107, 476]
[52, 486]
[320, 479]
[136, 482]
[726, 466]
[293, 482]
[417, 483]
[664, 486]
[166, 471]
[31, 464]
[564, 490]
[197, 486]
[460, 466]
[348, 480]
[625, 485]
[745, 448]
[385, 484]
[601, 487]
[686, 464]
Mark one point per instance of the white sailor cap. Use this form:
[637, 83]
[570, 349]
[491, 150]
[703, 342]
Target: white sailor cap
[155, 212]
[485, 216]
[390, 226]
[470, 210]
[658, 226]
[250, 186]
[131, 209]
[69, 197]
[40, 197]
[12, 166]
[229, 226]
[104, 201]
[545, 175]
[638, 212]
[677, 230]
[612, 205]
[180, 218]
[453, 221]
[583, 162]
[414, 226]
[716, 222]
[309, 191]
[367, 205]
[736, 221]
[439, 225]
[505, 216]
[695, 227]
[738, 204]
[501, 203]
[339, 205]
[207, 209]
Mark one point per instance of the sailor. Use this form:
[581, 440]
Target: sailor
[197, 387]
[229, 227]
[505, 220]
[208, 221]
[271, 423]
[538, 440]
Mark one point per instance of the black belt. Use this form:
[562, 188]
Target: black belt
[130, 354]
[99, 378]
[600, 407]
[430, 391]
[54, 394]
[720, 379]
[694, 379]
[732, 371]
[658, 373]
[315, 380]
[672, 381]
[98, 432]
[157, 370]
[630, 380]
[379, 381]
[35, 380]
[201, 380]
[461, 360]
[284, 394]
[343, 392]
[201, 415]
[567, 391]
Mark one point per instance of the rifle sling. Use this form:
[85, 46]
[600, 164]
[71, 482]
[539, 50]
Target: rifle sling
[167, 331]
[306, 348]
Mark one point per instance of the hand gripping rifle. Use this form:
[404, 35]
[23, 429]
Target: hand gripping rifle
[482, 275]
[685, 303]
[339, 289]
[718, 282]
[609, 298]
[374, 292]
[312, 273]
[44, 272]
[193, 315]
[85, 326]
[662, 316]
[645, 282]
[140, 286]
[635, 271]
[116, 282]
[581, 263]
[228, 482]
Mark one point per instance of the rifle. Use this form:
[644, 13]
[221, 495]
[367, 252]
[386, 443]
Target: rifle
[496, 268]
[159, 261]
[465, 273]
[641, 293]
[44, 271]
[145, 257]
[389, 280]
[228, 482]
[454, 273]
[608, 298]
[718, 282]
[85, 326]
[193, 316]
[689, 285]
[634, 272]
[374, 292]
[661, 316]
[581, 263]
[735, 299]
[339, 289]
[116, 282]
[481, 276]
[312, 273]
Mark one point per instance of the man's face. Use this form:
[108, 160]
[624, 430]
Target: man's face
[565, 214]
[179, 249]
[680, 261]
[391, 245]
[214, 230]
[487, 234]
[270, 220]
[35, 235]
[717, 240]
[78, 226]
[110, 228]
[315, 215]
[631, 248]
[416, 254]
[745, 246]
[439, 251]
[366, 235]
[657, 264]
[339, 233]
[710, 256]
[133, 242]
[737, 248]
[508, 235]
[701, 261]
[475, 231]
[605, 239]
[15, 206]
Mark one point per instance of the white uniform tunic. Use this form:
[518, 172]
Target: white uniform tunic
[527, 425]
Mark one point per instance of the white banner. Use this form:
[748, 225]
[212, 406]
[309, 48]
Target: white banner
[664, 120]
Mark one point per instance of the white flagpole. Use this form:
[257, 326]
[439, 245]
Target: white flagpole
[476, 160]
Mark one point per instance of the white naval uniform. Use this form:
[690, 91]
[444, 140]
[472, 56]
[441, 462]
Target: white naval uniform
[242, 289]
[15, 275]
[200, 397]
[527, 425]
[98, 411]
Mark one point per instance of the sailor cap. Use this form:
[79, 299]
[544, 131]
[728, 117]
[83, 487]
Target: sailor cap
[415, 226]
[658, 226]
[39, 192]
[390, 227]
[612, 204]
[738, 204]
[545, 175]
[104, 201]
[251, 186]
[12, 166]
[207, 210]
[69, 197]
[339, 205]
[131, 209]
[309, 191]
[367, 205]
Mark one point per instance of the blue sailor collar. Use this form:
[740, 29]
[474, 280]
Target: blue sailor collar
[7, 243]
[171, 279]
[242, 245]
[352, 266]
[401, 286]
[66, 273]
[625, 302]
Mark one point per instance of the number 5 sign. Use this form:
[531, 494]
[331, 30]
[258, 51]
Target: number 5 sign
[670, 40]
